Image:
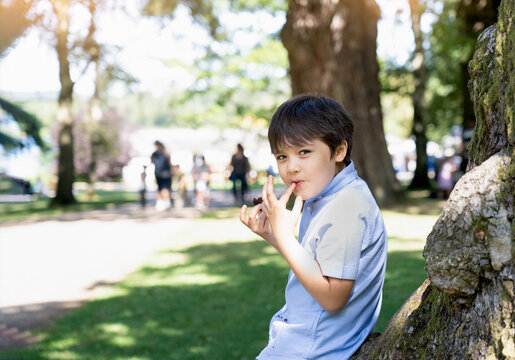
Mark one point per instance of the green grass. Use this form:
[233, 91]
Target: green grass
[212, 297]
[39, 207]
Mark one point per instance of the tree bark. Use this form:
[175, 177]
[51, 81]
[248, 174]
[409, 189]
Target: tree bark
[332, 51]
[465, 309]
[65, 172]
[420, 114]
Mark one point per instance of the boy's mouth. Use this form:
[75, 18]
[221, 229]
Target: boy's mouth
[297, 182]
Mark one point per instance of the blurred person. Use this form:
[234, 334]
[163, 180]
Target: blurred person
[201, 175]
[445, 177]
[240, 168]
[163, 173]
[143, 187]
[183, 198]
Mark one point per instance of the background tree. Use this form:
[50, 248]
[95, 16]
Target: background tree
[65, 167]
[73, 50]
[420, 114]
[332, 51]
[465, 308]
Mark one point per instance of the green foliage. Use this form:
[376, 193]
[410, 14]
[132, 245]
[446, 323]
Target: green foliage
[253, 5]
[27, 123]
[237, 87]
[202, 11]
[450, 51]
[396, 89]
[233, 86]
[452, 42]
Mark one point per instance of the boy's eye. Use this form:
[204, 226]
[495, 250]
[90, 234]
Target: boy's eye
[304, 152]
[280, 157]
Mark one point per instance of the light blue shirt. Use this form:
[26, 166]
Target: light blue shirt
[343, 229]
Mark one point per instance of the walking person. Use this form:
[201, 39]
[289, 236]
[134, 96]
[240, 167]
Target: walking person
[163, 173]
[240, 168]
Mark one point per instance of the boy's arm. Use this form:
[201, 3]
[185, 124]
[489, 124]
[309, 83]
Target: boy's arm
[331, 293]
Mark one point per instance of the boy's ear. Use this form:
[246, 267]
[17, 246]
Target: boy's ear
[341, 152]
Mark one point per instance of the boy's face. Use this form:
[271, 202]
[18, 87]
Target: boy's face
[310, 166]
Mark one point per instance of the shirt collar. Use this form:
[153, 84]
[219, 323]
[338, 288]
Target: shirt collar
[341, 179]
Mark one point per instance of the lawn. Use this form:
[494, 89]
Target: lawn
[213, 297]
[39, 207]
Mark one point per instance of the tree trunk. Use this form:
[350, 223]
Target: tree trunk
[332, 51]
[465, 309]
[420, 114]
[66, 172]
[95, 116]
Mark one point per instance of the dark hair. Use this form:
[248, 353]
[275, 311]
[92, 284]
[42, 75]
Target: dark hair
[307, 117]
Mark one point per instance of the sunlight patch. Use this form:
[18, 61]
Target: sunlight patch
[270, 250]
[64, 355]
[396, 244]
[198, 279]
[264, 261]
[198, 350]
[118, 334]
[167, 259]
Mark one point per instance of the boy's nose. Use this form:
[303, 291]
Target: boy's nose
[293, 166]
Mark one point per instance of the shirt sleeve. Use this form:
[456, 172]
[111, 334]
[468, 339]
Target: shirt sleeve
[339, 244]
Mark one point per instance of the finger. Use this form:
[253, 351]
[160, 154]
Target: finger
[272, 199]
[254, 212]
[264, 195]
[253, 218]
[243, 215]
[286, 195]
[297, 206]
[262, 220]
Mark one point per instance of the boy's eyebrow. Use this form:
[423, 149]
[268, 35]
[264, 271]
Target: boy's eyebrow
[301, 145]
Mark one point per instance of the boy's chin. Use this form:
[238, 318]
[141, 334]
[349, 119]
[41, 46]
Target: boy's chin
[297, 193]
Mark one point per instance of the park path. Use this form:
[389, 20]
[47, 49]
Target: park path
[50, 266]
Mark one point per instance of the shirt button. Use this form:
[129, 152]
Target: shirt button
[308, 208]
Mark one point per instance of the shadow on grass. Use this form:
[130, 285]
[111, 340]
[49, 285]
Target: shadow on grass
[207, 302]
[210, 301]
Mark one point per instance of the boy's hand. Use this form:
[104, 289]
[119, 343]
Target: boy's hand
[281, 220]
[258, 223]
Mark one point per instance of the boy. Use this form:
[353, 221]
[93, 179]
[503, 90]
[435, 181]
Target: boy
[334, 290]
